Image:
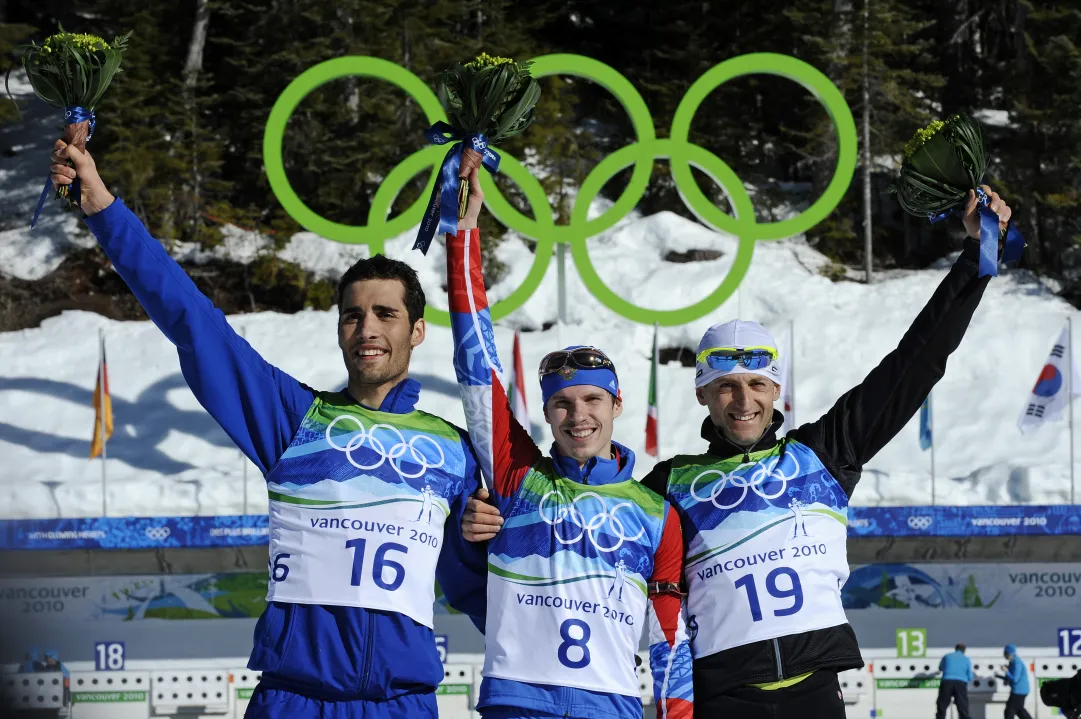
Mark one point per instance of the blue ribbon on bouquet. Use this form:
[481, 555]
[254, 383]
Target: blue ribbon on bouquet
[989, 236]
[72, 115]
[442, 212]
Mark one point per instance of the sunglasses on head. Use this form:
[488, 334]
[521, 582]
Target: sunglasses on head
[728, 358]
[582, 358]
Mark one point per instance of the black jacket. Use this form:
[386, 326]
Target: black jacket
[845, 439]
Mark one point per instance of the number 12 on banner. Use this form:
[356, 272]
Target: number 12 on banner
[911, 642]
[108, 656]
[1069, 642]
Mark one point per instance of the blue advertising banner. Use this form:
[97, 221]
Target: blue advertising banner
[248, 530]
[963, 521]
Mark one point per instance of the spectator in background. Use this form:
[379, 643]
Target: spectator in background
[31, 663]
[956, 671]
[1017, 677]
[53, 664]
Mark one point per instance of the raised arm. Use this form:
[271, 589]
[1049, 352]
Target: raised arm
[259, 406]
[669, 648]
[504, 448]
[870, 414]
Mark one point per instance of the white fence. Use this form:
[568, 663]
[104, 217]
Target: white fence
[896, 688]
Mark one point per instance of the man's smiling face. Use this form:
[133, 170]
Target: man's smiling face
[740, 405]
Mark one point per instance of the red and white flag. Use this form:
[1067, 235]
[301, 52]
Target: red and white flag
[518, 405]
[652, 438]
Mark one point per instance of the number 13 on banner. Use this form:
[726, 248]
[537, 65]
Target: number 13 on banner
[911, 642]
[1069, 642]
[108, 656]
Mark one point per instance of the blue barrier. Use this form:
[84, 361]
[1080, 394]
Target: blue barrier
[252, 530]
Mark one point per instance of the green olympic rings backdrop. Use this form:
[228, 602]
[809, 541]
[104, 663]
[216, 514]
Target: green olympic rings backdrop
[641, 154]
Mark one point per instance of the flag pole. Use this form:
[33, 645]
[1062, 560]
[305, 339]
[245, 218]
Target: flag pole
[792, 371]
[931, 421]
[657, 389]
[101, 419]
[1069, 396]
[244, 459]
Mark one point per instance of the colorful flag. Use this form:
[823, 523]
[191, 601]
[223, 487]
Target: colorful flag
[652, 436]
[926, 428]
[103, 406]
[517, 390]
[1049, 397]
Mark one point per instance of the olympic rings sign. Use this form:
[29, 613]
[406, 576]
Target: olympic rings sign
[158, 533]
[542, 228]
[919, 523]
[573, 517]
[367, 436]
[763, 473]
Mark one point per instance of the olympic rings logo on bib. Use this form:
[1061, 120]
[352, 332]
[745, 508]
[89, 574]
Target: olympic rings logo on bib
[364, 436]
[570, 515]
[764, 473]
[542, 228]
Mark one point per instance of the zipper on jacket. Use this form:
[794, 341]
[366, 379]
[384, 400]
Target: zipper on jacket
[777, 655]
[366, 676]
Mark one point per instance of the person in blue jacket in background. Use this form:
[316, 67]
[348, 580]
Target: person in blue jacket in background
[1016, 677]
[347, 632]
[956, 671]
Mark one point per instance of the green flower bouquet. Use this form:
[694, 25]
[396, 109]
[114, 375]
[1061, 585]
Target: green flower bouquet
[487, 100]
[72, 71]
[941, 163]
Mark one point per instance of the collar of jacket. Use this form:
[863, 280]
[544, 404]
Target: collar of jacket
[401, 399]
[724, 448]
[597, 470]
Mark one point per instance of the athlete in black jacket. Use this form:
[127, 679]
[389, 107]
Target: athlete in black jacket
[764, 517]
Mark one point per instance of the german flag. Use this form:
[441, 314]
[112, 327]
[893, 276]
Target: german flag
[103, 406]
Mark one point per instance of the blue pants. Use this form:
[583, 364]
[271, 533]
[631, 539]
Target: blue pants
[512, 713]
[281, 704]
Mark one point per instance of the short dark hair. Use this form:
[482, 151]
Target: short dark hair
[960, 648]
[381, 267]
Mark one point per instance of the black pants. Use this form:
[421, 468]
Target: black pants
[956, 690]
[1015, 707]
[816, 697]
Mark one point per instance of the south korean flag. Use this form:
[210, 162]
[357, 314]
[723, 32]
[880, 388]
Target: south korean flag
[1049, 397]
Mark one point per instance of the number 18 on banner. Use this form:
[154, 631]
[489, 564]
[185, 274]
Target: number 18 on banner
[911, 642]
[1069, 642]
[108, 656]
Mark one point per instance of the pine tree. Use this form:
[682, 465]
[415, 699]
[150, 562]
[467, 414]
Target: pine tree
[877, 52]
[11, 35]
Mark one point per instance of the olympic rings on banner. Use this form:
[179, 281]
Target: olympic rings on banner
[575, 518]
[158, 533]
[367, 436]
[682, 155]
[923, 522]
[763, 473]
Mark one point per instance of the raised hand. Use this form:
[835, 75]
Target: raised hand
[95, 197]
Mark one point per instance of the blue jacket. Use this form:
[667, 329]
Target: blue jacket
[956, 666]
[328, 652]
[1017, 675]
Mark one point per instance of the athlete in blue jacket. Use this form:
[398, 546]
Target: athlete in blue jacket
[957, 674]
[347, 633]
[1016, 677]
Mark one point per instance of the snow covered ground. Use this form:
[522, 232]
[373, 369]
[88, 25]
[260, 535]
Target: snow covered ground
[168, 457]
